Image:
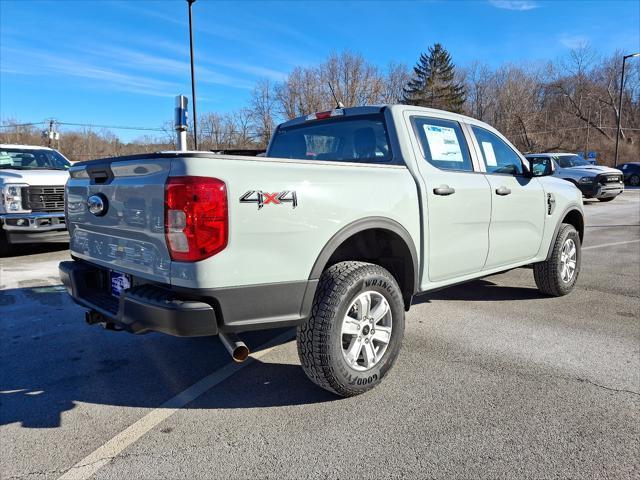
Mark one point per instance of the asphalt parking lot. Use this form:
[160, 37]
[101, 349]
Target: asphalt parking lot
[494, 381]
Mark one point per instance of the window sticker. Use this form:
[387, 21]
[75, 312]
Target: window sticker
[5, 159]
[443, 143]
[489, 154]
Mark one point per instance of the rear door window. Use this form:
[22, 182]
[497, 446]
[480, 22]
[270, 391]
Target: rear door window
[341, 139]
[443, 143]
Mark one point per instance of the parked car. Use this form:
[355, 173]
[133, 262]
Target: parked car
[631, 172]
[32, 182]
[351, 213]
[594, 181]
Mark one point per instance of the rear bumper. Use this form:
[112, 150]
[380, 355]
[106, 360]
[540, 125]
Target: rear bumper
[141, 308]
[34, 227]
[187, 312]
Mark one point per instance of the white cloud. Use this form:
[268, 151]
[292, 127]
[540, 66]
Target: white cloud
[34, 62]
[244, 67]
[573, 41]
[137, 60]
[204, 62]
[519, 5]
[260, 39]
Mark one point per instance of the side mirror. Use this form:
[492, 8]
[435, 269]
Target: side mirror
[540, 167]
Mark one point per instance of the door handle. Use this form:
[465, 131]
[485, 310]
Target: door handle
[444, 190]
[503, 191]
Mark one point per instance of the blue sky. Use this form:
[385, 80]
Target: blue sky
[122, 62]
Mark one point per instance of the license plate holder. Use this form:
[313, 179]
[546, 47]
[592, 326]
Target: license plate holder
[118, 283]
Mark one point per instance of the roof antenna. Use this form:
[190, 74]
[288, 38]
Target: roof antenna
[339, 104]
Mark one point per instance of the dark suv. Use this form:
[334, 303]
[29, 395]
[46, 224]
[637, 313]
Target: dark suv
[631, 172]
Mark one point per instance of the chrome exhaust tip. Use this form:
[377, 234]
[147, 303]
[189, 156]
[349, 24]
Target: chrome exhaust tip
[236, 347]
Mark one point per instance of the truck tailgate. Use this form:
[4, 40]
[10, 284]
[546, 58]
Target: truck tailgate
[127, 235]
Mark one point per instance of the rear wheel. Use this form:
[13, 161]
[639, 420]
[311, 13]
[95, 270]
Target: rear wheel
[558, 275]
[634, 180]
[355, 330]
[606, 199]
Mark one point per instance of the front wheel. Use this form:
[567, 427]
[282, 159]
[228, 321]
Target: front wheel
[355, 330]
[558, 275]
[606, 199]
[634, 180]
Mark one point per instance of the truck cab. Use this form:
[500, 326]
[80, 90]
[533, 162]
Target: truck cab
[32, 180]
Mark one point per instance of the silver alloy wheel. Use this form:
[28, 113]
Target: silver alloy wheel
[366, 330]
[568, 257]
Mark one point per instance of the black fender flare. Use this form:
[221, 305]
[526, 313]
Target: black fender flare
[360, 225]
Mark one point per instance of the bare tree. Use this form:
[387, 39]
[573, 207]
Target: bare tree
[263, 110]
[354, 80]
[479, 82]
[570, 104]
[396, 78]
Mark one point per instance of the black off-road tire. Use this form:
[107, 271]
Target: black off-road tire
[547, 274]
[319, 338]
[606, 199]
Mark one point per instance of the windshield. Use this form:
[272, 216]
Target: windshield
[568, 161]
[344, 139]
[32, 159]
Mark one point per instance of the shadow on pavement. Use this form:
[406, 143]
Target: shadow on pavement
[23, 250]
[480, 290]
[51, 360]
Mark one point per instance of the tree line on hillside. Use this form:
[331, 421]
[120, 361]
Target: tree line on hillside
[570, 104]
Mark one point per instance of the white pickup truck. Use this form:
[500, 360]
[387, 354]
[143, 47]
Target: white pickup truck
[351, 213]
[32, 182]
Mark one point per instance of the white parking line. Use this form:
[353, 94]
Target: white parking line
[610, 244]
[97, 459]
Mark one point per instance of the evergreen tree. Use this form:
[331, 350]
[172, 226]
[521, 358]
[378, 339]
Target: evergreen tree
[433, 83]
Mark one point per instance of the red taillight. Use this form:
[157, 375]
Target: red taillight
[195, 217]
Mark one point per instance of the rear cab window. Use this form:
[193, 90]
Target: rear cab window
[442, 143]
[351, 138]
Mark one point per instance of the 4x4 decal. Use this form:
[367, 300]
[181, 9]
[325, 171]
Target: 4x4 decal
[265, 198]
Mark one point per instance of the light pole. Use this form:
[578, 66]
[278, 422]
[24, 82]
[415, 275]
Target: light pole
[193, 81]
[624, 60]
